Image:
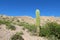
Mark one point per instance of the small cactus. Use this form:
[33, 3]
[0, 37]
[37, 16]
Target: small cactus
[38, 21]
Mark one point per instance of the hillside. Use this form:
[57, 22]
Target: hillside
[5, 34]
[30, 20]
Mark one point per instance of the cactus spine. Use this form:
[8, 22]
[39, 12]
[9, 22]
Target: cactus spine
[38, 21]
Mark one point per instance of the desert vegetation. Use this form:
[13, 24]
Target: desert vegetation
[17, 36]
[37, 21]
[30, 27]
[50, 30]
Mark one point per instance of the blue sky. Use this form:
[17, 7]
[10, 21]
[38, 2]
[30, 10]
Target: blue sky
[28, 7]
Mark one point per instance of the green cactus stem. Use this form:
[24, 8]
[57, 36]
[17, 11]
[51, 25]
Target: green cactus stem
[38, 21]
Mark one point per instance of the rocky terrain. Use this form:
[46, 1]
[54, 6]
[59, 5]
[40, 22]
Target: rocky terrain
[5, 34]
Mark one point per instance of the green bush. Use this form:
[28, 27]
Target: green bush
[4, 22]
[8, 24]
[33, 28]
[1, 22]
[44, 32]
[21, 23]
[57, 31]
[17, 36]
[12, 27]
[30, 27]
[50, 28]
[52, 37]
[18, 20]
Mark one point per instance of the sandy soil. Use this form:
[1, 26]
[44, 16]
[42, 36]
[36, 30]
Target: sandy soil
[5, 34]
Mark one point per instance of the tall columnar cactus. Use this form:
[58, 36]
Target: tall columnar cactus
[38, 21]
